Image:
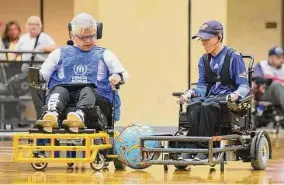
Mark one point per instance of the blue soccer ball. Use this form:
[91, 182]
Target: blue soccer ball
[127, 146]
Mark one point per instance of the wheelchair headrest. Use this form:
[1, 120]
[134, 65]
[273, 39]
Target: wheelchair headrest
[99, 29]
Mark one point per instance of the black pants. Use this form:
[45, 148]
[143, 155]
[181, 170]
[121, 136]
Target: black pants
[203, 114]
[84, 98]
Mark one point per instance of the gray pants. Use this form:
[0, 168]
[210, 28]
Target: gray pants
[275, 94]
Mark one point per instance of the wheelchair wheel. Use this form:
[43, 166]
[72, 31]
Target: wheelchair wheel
[99, 163]
[118, 164]
[70, 165]
[166, 157]
[181, 167]
[39, 165]
[261, 153]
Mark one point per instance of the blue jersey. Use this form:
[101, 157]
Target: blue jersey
[237, 72]
[80, 67]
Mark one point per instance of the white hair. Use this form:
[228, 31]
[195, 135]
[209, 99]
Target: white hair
[83, 21]
[34, 19]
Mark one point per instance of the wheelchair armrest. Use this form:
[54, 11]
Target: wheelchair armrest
[240, 104]
[245, 100]
[177, 94]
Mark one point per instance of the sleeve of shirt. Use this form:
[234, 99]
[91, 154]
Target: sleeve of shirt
[239, 74]
[114, 65]
[258, 72]
[49, 64]
[46, 39]
[201, 86]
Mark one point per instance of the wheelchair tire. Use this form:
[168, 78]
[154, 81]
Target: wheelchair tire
[181, 167]
[118, 164]
[166, 157]
[70, 165]
[98, 163]
[39, 165]
[261, 151]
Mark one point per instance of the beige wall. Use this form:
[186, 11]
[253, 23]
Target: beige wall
[150, 39]
[57, 14]
[246, 26]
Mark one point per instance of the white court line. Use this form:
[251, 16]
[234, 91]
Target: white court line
[5, 147]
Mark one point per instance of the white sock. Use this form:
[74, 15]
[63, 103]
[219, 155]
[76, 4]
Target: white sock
[81, 114]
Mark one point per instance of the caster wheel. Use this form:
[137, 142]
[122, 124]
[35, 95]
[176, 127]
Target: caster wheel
[70, 165]
[99, 163]
[166, 157]
[39, 165]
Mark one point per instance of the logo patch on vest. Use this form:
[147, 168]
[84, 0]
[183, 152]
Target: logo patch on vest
[80, 69]
[80, 72]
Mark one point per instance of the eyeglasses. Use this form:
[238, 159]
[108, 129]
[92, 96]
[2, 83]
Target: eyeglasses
[84, 38]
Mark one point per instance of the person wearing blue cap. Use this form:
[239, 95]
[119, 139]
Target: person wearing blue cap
[222, 72]
[268, 78]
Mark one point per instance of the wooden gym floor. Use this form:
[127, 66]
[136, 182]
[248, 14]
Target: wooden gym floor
[235, 172]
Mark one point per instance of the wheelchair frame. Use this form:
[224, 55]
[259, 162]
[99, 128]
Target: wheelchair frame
[245, 145]
[97, 147]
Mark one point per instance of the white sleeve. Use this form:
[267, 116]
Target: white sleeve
[49, 64]
[46, 39]
[114, 65]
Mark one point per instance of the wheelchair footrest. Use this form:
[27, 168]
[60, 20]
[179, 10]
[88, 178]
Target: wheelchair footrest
[69, 124]
[47, 123]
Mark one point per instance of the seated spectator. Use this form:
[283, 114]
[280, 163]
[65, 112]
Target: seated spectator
[11, 37]
[269, 78]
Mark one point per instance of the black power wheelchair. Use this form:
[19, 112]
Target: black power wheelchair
[266, 112]
[236, 138]
[92, 141]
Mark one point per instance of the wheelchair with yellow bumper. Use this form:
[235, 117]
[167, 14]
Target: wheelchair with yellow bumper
[61, 144]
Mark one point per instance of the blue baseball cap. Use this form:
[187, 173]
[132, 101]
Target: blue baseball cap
[209, 29]
[277, 51]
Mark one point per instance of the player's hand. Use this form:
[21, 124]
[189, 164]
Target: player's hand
[185, 97]
[234, 97]
[114, 79]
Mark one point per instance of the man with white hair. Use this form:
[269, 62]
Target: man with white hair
[35, 40]
[97, 68]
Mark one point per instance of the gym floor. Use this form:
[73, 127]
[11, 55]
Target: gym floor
[235, 172]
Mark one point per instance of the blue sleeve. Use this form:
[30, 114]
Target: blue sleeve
[201, 87]
[258, 71]
[239, 75]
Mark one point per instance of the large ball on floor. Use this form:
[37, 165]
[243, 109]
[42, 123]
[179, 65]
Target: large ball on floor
[128, 149]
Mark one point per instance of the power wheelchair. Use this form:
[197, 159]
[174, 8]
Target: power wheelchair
[235, 139]
[93, 144]
[266, 112]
